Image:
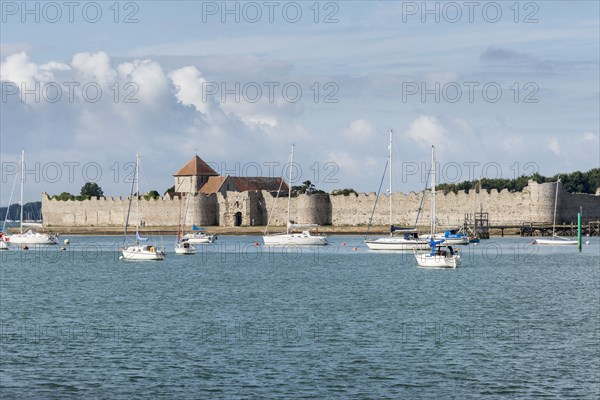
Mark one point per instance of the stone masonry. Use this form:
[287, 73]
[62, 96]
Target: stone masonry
[534, 204]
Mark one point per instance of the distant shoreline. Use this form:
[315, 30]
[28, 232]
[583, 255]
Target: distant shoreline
[234, 231]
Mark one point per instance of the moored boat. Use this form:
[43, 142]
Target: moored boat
[556, 240]
[138, 251]
[303, 238]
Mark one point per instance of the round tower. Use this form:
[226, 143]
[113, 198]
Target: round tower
[314, 209]
[542, 201]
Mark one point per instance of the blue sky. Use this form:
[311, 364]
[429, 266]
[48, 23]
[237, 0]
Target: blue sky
[361, 67]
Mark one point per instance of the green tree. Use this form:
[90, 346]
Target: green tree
[170, 190]
[64, 196]
[153, 194]
[91, 189]
[307, 187]
[343, 192]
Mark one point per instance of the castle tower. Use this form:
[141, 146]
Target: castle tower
[193, 176]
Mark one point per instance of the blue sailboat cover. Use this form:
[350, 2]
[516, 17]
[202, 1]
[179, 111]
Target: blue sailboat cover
[138, 237]
[432, 244]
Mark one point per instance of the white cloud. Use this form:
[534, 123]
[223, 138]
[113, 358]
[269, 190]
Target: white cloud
[94, 67]
[359, 130]
[427, 131]
[512, 142]
[589, 137]
[173, 120]
[554, 146]
[147, 77]
[189, 88]
[19, 69]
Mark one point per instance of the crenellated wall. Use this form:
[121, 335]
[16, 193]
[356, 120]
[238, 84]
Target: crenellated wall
[534, 204]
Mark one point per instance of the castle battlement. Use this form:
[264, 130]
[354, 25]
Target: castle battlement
[230, 208]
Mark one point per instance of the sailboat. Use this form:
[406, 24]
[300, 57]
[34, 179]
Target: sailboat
[183, 246]
[450, 236]
[303, 238]
[138, 251]
[399, 238]
[199, 236]
[441, 255]
[31, 237]
[556, 240]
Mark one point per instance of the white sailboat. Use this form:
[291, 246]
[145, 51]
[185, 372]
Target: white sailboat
[30, 237]
[400, 238]
[441, 255]
[452, 236]
[183, 246]
[199, 236]
[303, 238]
[556, 240]
[138, 251]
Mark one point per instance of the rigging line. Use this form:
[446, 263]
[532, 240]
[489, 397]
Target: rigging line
[376, 199]
[273, 206]
[128, 210]
[422, 199]
[9, 201]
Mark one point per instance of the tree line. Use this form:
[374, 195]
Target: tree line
[574, 182]
[89, 190]
[31, 211]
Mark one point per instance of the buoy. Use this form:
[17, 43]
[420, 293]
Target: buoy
[256, 244]
[63, 248]
[120, 257]
[356, 248]
[66, 242]
[587, 242]
[25, 248]
[344, 243]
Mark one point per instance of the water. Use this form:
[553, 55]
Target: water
[238, 321]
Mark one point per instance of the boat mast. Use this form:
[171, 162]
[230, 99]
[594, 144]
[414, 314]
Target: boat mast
[433, 222]
[179, 219]
[555, 203]
[391, 171]
[22, 186]
[137, 190]
[290, 189]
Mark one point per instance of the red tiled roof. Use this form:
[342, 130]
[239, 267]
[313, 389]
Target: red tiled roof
[212, 185]
[196, 167]
[247, 183]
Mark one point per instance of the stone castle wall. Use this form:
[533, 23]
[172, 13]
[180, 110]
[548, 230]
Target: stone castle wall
[534, 204]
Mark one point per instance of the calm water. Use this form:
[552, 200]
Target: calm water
[238, 321]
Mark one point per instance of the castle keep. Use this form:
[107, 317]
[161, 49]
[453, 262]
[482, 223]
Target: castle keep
[234, 201]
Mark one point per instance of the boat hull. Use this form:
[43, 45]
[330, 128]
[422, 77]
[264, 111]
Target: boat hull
[552, 242]
[142, 253]
[396, 244]
[436, 261]
[185, 248]
[199, 239]
[294, 239]
[32, 239]
[453, 241]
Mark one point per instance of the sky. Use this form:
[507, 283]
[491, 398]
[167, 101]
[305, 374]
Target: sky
[500, 88]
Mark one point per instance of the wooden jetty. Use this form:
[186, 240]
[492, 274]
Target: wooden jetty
[478, 224]
[592, 228]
